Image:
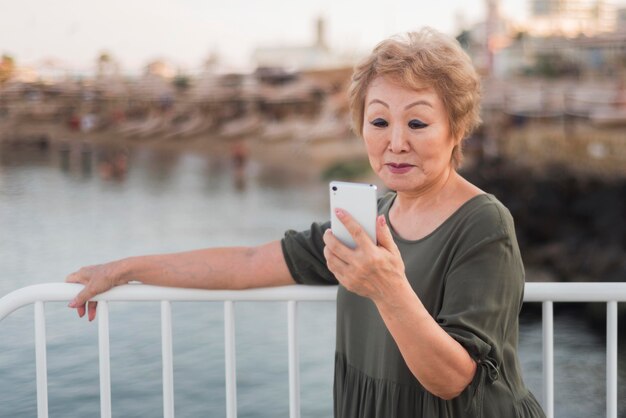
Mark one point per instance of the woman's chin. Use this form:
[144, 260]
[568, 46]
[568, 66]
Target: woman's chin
[400, 183]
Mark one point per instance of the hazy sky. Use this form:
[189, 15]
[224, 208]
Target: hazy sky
[186, 31]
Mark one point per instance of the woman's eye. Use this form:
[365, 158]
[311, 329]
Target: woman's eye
[417, 124]
[379, 123]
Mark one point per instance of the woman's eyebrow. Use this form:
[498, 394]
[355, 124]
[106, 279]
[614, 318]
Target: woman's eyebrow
[419, 102]
[378, 101]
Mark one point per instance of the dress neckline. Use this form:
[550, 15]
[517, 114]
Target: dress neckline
[449, 219]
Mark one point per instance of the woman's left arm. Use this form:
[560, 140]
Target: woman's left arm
[440, 363]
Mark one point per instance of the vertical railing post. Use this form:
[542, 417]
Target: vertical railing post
[611, 359]
[231, 367]
[105, 359]
[548, 358]
[41, 361]
[294, 359]
[168, 363]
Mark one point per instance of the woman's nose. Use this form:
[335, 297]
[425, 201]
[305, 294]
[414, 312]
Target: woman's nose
[398, 141]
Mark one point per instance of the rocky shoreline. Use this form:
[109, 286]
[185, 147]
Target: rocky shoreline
[574, 227]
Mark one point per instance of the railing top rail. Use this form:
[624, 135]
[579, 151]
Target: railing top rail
[64, 292]
[575, 292]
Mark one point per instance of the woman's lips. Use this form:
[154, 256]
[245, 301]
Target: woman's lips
[399, 168]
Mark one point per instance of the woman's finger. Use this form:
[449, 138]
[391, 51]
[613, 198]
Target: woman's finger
[337, 247]
[334, 263]
[81, 298]
[76, 277]
[71, 278]
[92, 310]
[354, 228]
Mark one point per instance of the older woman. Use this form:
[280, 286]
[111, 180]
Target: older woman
[427, 318]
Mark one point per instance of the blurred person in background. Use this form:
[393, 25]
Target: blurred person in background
[427, 318]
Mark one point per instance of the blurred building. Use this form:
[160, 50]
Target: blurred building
[562, 38]
[107, 67]
[486, 40]
[300, 57]
[620, 21]
[160, 68]
[24, 75]
[570, 18]
[51, 70]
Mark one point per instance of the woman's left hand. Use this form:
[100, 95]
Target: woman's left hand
[369, 270]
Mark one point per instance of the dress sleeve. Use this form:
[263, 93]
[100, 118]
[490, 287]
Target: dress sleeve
[482, 296]
[304, 254]
[481, 302]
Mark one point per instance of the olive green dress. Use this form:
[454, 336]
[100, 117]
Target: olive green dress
[468, 273]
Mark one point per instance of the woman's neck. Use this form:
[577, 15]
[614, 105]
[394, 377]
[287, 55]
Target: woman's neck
[415, 215]
[430, 197]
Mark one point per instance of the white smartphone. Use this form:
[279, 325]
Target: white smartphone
[359, 200]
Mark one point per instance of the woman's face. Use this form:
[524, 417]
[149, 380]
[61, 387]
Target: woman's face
[407, 135]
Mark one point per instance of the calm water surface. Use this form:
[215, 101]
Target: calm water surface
[62, 209]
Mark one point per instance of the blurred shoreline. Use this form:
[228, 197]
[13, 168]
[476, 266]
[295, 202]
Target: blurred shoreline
[301, 119]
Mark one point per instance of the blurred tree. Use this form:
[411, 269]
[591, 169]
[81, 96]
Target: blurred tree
[520, 35]
[464, 38]
[7, 68]
[181, 82]
[554, 66]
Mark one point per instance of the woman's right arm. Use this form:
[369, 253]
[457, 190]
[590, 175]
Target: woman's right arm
[212, 268]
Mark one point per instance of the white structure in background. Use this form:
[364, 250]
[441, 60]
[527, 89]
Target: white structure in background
[107, 66]
[301, 58]
[52, 70]
[570, 18]
[108, 78]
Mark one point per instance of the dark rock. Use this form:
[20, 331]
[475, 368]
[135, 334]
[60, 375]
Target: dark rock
[575, 227]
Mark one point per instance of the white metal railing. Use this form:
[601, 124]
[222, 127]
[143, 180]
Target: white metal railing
[546, 293]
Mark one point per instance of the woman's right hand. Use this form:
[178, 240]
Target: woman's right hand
[97, 279]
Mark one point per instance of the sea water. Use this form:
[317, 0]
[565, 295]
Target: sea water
[61, 209]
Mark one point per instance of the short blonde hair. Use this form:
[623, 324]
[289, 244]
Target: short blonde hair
[426, 56]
